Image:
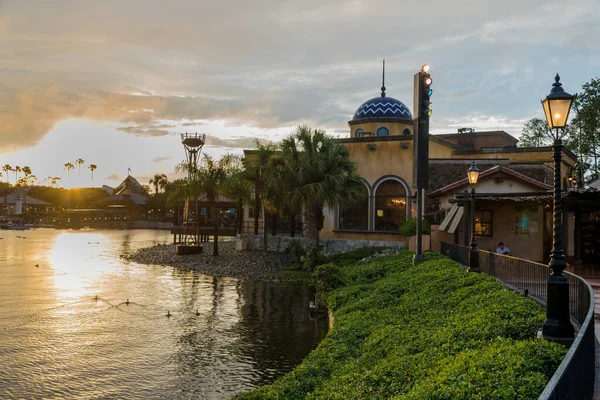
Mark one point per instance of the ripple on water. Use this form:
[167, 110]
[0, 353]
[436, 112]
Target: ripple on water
[57, 341]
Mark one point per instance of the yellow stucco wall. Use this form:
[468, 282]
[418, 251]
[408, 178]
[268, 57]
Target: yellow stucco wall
[395, 128]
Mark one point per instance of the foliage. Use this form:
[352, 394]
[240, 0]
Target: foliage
[327, 277]
[409, 227]
[585, 137]
[80, 198]
[315, 170]
[297, 251]
[534, 134]
[431, 331]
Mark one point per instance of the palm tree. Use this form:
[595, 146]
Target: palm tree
[316, 170]
[92, 167]
[159, 181]
[7, 168]
[238, 190]
[79, 161]
[258, 165]
[17, 169]
[54, 181]
[69, 166]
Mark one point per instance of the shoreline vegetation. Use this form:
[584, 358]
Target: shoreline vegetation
[229, 263]
[431, 331]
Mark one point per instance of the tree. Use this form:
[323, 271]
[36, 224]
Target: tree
[79, 162]
[534, 134]
[69, 166]
[238, 189]
[7, 168]
[54, 181]
[316, 170]
[258, 166]
[17, 169]
[587, 120]
[92, 168]
[159, 181]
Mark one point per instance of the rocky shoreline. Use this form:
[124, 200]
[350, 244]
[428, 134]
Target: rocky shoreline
[229, 262]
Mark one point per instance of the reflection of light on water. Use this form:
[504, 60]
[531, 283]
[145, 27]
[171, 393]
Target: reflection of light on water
[75, 258]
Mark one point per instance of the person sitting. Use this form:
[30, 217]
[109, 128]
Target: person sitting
[502, 249]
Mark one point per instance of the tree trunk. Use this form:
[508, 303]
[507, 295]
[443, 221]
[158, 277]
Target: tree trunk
[292, 225]
[256, 207]
[240, 218]
[265, 231]
[216, 231]
[197, 237]
[274, 227]
[312, 229]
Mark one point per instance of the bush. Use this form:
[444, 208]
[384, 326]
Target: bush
[409, 228]
[431, 331]
[297, 251]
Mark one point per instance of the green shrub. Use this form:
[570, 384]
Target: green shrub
[297, 251]
[409, 227]
[431, 331]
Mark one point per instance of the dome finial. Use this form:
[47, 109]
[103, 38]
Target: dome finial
[383, 80]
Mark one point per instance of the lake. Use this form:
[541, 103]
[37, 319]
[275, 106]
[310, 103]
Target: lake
[224, 336]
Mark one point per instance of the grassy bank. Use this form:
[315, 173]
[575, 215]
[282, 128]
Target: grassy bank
[432, 331]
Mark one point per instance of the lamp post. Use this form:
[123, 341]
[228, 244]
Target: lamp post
[557, 325]
[473, 175]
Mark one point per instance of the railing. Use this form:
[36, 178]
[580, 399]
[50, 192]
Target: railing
[574, 378]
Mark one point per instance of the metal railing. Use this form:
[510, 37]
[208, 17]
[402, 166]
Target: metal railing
[575, 376]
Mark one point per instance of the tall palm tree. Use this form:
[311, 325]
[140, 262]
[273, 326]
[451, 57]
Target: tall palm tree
[7, 168]
[54, 181]
[17, 169]
[79, 162]
[238, 189]
[159, 181]
[92, 168]
[316, 170]
[69, 166]
[258, 166]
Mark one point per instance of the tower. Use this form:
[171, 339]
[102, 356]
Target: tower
[192, 144]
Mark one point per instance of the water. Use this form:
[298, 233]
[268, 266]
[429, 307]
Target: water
[57, 341]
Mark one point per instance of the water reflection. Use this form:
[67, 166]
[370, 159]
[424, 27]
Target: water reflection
[58, 340]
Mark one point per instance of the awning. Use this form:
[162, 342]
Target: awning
[450, 223]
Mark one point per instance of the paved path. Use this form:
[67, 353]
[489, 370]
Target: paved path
[592, 276]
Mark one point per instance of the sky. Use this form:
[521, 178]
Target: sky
[115, 82]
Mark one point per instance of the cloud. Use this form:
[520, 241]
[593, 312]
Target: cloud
[276, 63]
[114, 177]
[161, 159]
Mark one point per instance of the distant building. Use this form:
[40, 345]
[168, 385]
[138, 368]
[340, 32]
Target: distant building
[130, 189]
[17, 203]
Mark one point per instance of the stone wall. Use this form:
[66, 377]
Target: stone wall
[330, 246]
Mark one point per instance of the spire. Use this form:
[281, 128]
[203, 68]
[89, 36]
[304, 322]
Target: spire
[383, 80]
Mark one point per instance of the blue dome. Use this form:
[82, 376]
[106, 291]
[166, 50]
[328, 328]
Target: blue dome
[382, 107]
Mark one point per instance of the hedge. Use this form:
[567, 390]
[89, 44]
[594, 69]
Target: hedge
[432, 331]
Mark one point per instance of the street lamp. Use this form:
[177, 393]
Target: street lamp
[557, 325]
[473, 175]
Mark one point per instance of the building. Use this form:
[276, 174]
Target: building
[514, 196]
[17, 203]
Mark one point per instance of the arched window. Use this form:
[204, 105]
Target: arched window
[359, 133]
[406, 131]
[355, 216]
[383, 131]
[390, 205]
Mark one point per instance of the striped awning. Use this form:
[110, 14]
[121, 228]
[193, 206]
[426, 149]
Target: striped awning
[450, 223]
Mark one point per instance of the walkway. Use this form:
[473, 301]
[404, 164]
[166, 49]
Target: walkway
[592, 276]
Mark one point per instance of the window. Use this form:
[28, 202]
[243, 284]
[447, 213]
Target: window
[484, 223]
[383, 131]
[359, 133]
[355, 216]
[390, 205]
[406, 131]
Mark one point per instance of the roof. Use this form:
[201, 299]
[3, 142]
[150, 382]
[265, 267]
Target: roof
[383, 107]
[132, 186]
[484, 133]
[11, 198]
[487, 173]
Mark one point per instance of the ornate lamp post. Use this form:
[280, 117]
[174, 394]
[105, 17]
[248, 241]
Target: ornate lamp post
[473, 175]
[558, 325]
